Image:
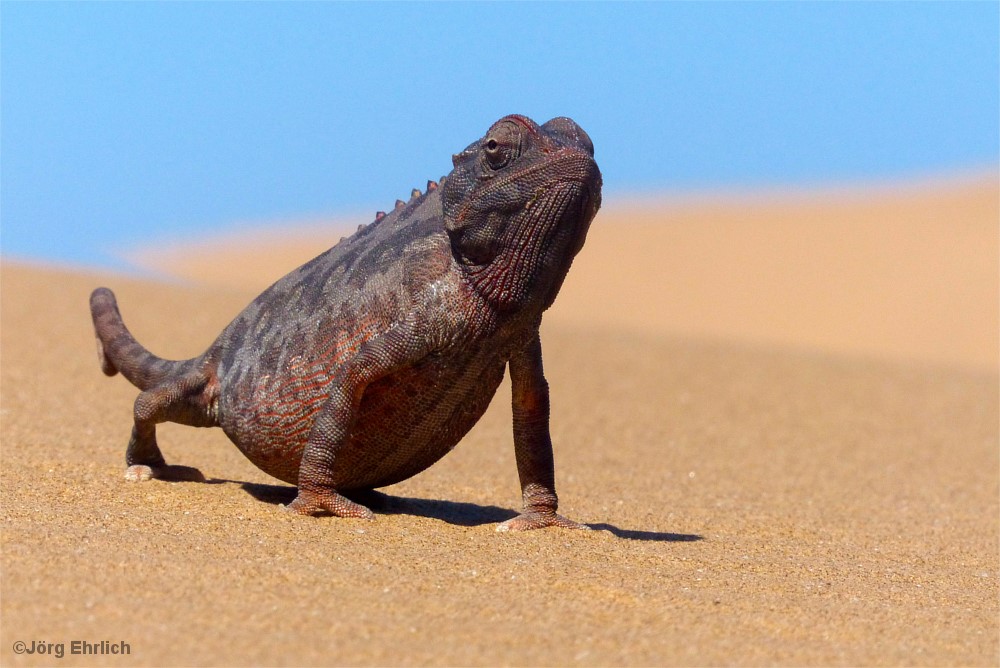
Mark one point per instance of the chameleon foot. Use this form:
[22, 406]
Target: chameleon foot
[537, 520]
[312, 503]
[142, 472]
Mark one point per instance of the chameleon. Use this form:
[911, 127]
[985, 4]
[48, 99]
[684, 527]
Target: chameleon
[369, 363]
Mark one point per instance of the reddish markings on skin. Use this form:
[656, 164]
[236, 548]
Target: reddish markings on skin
[292, 403]
[523, 122]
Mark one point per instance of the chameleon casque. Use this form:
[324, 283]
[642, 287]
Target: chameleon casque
[369, 363]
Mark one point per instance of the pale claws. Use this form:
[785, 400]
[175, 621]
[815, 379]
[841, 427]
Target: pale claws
[139, 473]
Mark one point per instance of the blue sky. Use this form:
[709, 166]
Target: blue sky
[125, 123]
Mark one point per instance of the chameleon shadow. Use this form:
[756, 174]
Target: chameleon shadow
[178, 473]
[458, 513]
[274, 494]
[653, 536]
[453, 512]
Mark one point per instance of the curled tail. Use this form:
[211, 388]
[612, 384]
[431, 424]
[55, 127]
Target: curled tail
[117, 349]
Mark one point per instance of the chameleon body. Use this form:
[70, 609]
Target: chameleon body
[369, 363]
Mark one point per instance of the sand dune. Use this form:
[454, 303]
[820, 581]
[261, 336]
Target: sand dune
[781, 413]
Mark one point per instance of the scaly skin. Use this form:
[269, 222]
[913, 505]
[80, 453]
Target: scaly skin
[369, 363]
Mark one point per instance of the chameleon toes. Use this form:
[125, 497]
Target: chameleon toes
[329, 502]
[531, 520]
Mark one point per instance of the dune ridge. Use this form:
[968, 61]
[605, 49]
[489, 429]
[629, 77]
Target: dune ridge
[898, 271]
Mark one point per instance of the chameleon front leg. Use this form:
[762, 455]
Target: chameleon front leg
[533, 445]
[317, 485]
[332, 428]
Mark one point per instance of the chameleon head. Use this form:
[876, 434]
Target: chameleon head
[517, 208]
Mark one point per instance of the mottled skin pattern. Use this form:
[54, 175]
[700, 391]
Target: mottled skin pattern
[369, 363]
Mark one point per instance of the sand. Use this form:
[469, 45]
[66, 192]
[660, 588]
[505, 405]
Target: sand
[780, 413]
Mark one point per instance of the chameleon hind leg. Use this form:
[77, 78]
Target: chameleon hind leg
[183, 400]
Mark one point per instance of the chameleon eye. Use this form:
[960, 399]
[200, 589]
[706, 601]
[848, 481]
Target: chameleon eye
[501, 146]
[497, 154]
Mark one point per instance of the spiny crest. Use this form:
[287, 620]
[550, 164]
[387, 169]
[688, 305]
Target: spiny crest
[414, 194]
